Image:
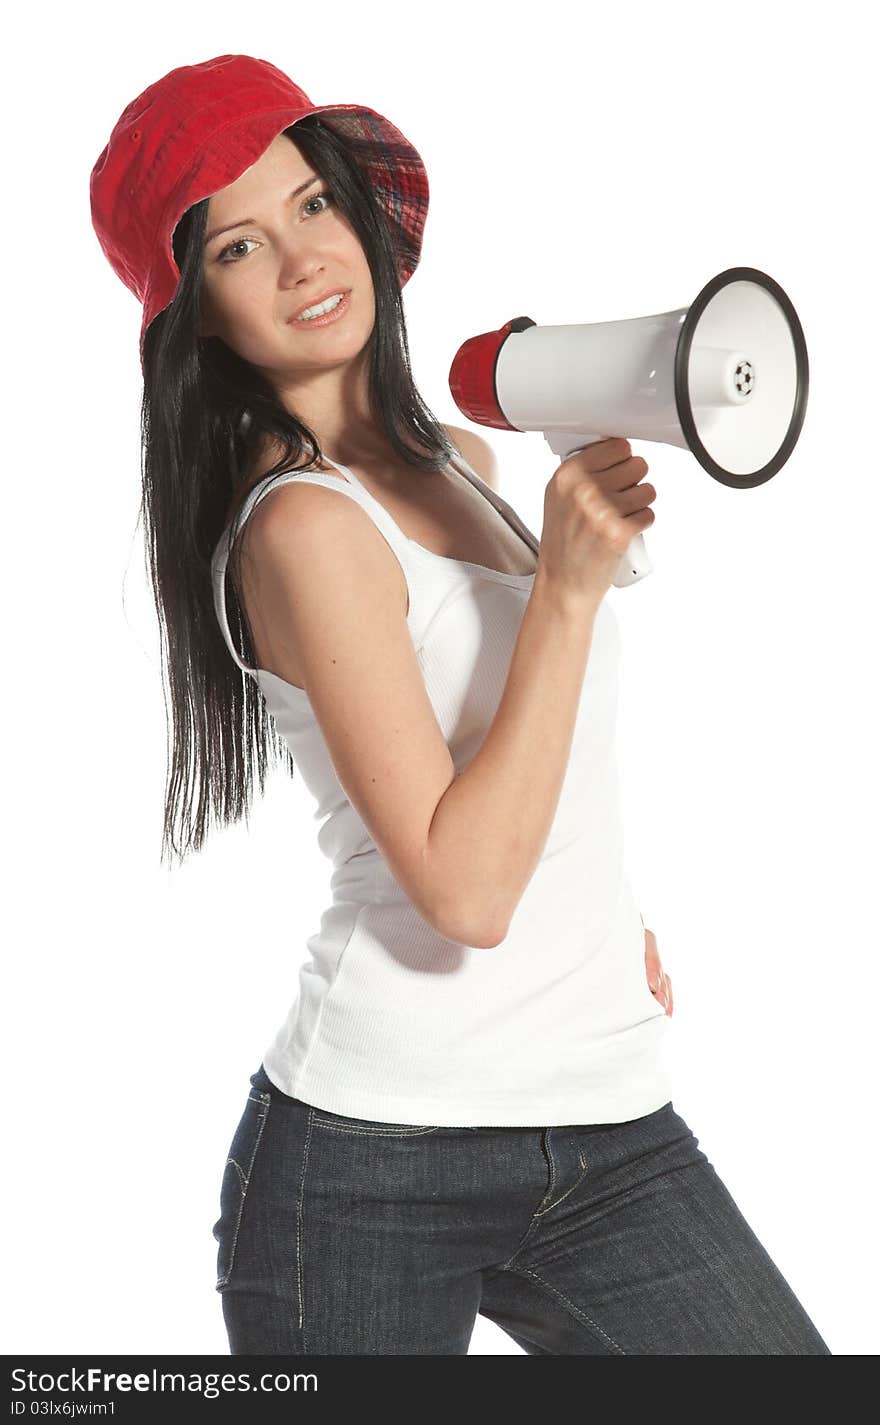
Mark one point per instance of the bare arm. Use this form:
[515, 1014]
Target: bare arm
[538, 709]
[491, 826]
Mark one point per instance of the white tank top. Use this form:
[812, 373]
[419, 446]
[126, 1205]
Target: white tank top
[394, 1022]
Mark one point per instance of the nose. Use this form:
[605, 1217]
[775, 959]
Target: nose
[301, 265]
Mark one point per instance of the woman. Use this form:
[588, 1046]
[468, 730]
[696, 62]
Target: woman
[465, 1109]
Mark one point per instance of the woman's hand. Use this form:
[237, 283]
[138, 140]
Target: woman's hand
[659, 983]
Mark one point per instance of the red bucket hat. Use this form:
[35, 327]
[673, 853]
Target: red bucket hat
[198, 129]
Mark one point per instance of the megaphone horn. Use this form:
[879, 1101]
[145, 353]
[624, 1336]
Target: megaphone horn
[726, 378]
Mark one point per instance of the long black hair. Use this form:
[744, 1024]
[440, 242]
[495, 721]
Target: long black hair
[205, 415]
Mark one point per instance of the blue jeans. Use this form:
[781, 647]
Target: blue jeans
[346, 1236]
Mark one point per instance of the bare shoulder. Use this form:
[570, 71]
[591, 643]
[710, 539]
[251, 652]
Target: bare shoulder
[300, 523]
[307, 547]
[477, 452]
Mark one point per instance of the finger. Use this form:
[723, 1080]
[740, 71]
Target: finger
[653, 968]
[661, 993]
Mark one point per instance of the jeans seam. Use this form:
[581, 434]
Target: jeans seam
[389, 1132]
[299, 1226]
[548, 1154]
[540, 1211]
[244, 1180]
[577, 1182]
[570, 1306]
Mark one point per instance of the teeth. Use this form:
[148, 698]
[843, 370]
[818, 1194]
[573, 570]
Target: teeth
[322, 307]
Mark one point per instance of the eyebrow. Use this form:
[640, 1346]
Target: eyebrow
[242, 222]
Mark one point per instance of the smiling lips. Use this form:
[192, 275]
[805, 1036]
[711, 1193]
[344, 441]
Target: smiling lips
[338, 308]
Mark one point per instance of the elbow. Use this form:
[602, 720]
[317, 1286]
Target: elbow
[473, 930]
[481, 926]
[490, 934]
[489, 942]
[477, 937]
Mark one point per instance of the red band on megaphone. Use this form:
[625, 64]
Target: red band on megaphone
[472, 375]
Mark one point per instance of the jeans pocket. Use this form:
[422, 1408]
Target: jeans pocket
[372, 1127]
[236, 1177]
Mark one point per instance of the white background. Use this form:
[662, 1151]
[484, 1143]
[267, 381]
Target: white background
[587, 163]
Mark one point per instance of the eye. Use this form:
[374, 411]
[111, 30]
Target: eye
[239, 242]
[316, 198]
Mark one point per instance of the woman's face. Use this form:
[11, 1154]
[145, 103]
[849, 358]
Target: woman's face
[283, 252]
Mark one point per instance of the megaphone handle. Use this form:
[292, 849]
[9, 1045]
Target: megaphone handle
[635, 563]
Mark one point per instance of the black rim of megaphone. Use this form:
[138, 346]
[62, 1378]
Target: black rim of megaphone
[682, 357]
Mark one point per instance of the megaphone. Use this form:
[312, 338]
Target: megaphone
[726, 378]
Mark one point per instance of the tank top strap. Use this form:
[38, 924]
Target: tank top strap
[346, 483]
[377, 512]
